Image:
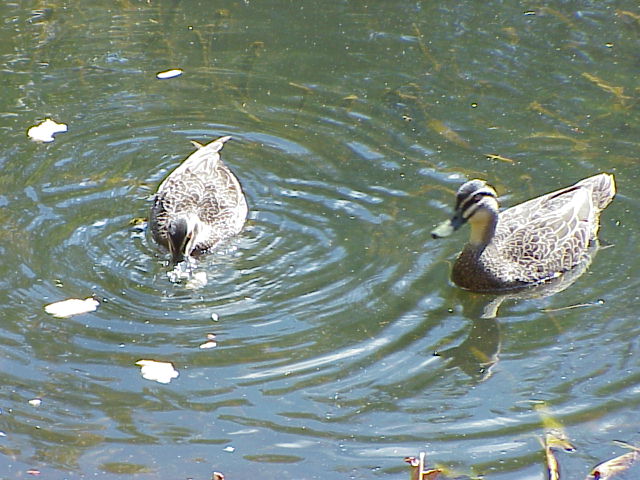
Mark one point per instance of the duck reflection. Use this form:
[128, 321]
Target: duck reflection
[479, 352]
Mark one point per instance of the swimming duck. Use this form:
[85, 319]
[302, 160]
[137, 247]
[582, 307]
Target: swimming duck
[530, 243]
[198, 205]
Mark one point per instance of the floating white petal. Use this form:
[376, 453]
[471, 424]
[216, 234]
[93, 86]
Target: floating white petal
[43, 132]
[161, 372]
[72, 306]
[175, 72]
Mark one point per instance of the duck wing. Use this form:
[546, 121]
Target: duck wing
[548, 235]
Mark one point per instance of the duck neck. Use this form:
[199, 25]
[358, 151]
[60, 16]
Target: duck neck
[483, 228]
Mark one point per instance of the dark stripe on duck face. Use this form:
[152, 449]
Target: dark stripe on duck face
[467, 206]
[467, 190]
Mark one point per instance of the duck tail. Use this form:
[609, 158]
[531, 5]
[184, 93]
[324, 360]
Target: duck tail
[603, 189]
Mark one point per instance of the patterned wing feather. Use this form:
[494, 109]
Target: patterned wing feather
[545, 236]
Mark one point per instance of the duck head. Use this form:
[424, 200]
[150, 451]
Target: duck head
[182, 233]
[476, 203]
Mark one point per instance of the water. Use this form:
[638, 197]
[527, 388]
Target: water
[352, 125]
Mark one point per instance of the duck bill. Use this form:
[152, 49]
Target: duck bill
[447, 227]
[177, 255]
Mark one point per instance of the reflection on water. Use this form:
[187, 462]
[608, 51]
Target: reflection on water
[479, 352]
[351, 127]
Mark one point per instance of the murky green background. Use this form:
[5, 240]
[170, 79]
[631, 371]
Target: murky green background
[353, 123]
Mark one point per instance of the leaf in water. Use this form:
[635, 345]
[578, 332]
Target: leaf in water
[174, 72]
[537, 107]
[617, 91]
[560, 16]
[417, 466]
[448, 133]
[627, 15]
[499, 157]
[301, 87]
[608, 469]
[552, 464]
[71, 306]
[555, 436]
[557, 439]
[210, 343]
[122, 468]
[161, 372]
[273, 458]
[419, 470]
[44, 131]
[423, 48]
[578, 145]
[627, 445]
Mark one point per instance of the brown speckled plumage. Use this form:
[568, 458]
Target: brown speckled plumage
[203, 194]
[530, 243]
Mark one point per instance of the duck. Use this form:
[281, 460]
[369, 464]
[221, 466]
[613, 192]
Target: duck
[531, 243]
[198, 205]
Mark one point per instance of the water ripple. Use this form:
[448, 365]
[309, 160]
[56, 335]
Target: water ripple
[339, 340]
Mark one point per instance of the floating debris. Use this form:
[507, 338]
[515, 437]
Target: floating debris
[35, 402]
[229, 449]
[553, 467]
[210, 343]
[447, 132]
[215, 317]
[607, 87]
[71, 306]
[491, 156]
[174, 72]
[628, 16]
[570, 307]
[138, 222]
[555, 435]
[161, 372]
[44, 131]
[419, 471]
[608, 469]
